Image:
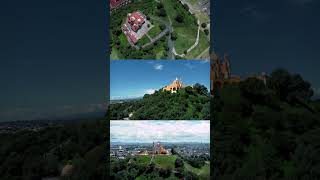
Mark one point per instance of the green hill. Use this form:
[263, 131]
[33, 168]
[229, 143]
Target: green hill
[38, 154]
[266, 131]
[203, 172]
[187, 103]
[162, 167]
[165, 161]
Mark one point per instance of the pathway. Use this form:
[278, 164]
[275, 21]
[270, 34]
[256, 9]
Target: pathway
[193, 46]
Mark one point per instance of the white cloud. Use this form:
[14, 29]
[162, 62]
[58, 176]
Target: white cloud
[155, 130]
[150, 91]
[189, 65]
[126, 97]
[158, 67]
[204, 61]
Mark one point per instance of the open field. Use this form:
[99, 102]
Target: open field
[165, 161]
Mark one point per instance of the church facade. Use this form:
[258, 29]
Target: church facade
[174, 86]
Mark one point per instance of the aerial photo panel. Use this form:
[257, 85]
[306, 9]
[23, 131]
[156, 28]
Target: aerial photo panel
[160, 149]
[159, 29]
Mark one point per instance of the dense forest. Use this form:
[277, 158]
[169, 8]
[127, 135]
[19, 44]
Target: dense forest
[188, 103]
[77, 150]
[266, 131]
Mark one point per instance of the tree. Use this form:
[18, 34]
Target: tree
[160, 6]
[174, 36]
[179, 18]
[206, 31]
[165, 173]
[121, 175]
[290, 87]
[162, 26]
[204, 25]
[188, 175]
[178, 163]
[201, 89]
[162, 12]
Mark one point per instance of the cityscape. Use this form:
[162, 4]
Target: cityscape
[183, 153]
[127, 150]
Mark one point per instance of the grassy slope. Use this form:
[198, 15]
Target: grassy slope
[203, 45]
[165, 161]
[115, 54]
[155, 30]
[186, 31]
[144, 40]
[203, 172]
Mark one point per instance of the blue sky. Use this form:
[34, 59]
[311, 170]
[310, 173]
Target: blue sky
[163, 131]
[134, 78]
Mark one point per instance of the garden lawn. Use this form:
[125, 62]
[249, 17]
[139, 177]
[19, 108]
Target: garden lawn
[165, 161]
[203, 172]
[155, 30]
[187, 30]
[144, 40]
[202, 45]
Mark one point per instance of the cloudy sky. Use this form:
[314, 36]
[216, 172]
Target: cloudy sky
[134, 78]
[163, 131]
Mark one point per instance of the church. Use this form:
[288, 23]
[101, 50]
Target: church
[174, 86]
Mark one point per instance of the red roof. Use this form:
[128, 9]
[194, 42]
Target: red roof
[115, 3]
[129, 34]
[135, 19]
[132, 37]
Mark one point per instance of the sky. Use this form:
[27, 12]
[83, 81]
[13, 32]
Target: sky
[133, 79]
[53, 58]
[163, 131]
[262, 35]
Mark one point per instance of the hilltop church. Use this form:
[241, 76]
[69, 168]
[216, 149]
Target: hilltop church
[220, 73]
[174, 86]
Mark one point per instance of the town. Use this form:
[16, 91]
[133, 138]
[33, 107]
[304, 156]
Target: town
[126, 150]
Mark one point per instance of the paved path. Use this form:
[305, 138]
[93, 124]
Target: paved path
[160, 35]
[203, 52]
[193, 46]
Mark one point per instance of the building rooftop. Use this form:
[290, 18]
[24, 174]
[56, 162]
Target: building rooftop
[136, 19]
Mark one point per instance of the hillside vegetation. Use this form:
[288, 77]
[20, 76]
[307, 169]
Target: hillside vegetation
[33, 155]
[187, 103]
[267, 131]
[162, 167]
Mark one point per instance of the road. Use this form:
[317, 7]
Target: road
[160, 35]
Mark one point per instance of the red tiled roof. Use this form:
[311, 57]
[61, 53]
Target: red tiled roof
[115, 3]
[135, 19]
[132, 37]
